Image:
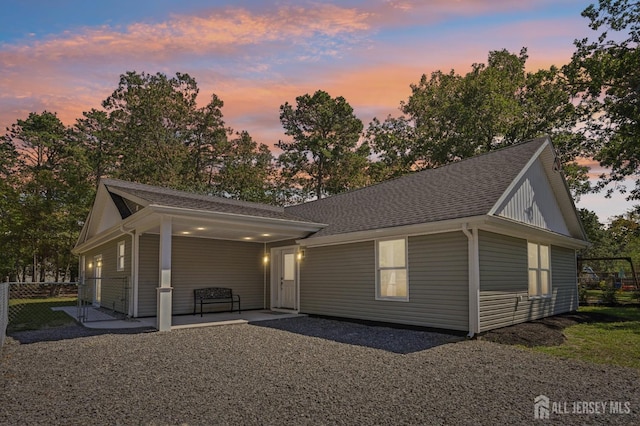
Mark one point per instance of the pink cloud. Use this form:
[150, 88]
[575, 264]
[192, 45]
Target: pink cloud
[220, 31]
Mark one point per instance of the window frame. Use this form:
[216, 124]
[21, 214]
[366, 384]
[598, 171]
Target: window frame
[539, 270]
[120, 258]
[378, 270]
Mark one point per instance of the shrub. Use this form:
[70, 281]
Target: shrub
[609, 295]
[583, 294]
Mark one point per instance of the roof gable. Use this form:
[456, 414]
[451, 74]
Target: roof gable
[140, 195]
[463, 189]
[533, 201]
[105, 214]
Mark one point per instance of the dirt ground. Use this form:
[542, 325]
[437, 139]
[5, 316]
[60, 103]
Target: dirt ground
[543, 332]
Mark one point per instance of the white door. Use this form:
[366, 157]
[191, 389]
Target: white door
[97, 279]
[287, 285]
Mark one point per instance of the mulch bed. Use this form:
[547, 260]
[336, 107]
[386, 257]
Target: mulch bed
[544, 332]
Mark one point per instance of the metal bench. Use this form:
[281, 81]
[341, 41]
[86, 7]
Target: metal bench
[205, 296]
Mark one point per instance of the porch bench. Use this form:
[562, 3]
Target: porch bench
[205, 296]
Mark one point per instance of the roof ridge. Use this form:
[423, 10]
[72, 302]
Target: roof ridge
[414, 173]
[177, 192]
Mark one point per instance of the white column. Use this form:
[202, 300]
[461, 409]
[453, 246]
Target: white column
[474, 279]
[163, 319]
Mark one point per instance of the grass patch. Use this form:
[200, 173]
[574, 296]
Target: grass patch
[36, 314]
[622, 297]
[606, 342]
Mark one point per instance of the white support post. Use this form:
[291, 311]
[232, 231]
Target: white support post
[474, 279]
[163, 318]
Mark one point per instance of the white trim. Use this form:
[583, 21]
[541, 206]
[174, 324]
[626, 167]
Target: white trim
[121, 243]
[378, 269]
[440, 227]
[135, 267]
[236, 218]
[164, 289]
[505, 226]
[97, 289]
[150, 217]
[128, 196]
[539, 269]
[496, 224]
[276, 263]
[473, 253]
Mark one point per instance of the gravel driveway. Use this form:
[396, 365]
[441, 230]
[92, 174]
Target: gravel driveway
[297, 371]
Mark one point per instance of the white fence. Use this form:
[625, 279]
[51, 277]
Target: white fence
[4, 311]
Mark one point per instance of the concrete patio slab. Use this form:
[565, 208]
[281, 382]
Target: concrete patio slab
[99, 319]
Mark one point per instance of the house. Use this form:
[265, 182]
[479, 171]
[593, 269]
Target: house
[474, 245]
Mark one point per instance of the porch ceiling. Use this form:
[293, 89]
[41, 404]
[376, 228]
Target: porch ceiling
[227, 230]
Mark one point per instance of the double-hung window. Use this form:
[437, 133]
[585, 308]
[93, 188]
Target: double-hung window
[120, 256]
[392, 281]
[539, 270]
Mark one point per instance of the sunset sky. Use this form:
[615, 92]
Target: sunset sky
[66, 56]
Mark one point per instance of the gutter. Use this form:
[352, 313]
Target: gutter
[474, 279]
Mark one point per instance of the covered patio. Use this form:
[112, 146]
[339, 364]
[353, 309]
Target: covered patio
[100, 319]
[164, 244]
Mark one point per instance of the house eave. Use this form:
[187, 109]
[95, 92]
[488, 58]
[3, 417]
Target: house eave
[501, 225]
[407, 230]
[150, 216]
[111, 233]
[484, 222]
[235, 218]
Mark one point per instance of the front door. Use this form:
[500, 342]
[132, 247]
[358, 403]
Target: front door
[285, 278]
[97, 279]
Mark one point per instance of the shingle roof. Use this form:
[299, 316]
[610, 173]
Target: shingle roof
[463, 189]
[181, 199]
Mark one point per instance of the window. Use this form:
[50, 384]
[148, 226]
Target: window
[539, 270]
[391, 270]
[120, 258]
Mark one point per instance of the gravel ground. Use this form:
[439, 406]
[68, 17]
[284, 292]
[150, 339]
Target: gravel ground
[296, 371]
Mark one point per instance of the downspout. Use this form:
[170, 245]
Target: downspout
[474, 279]
[134, 273]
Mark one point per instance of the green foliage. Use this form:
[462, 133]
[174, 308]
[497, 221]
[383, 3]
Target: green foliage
[609, 294]
[449, 117]
[149, 119]
[50, 192]
[247, 172]
[583, 295]
[605, 74]
[324, 157]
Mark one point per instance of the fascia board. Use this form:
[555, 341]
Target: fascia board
[522, 230]
[236, 218]
[127, 195]
[452, 225]
[100, 200]
[111, 233]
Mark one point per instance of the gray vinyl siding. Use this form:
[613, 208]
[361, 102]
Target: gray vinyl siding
[340, 281]
[197, 263]
[564, 279]
[504, 286]
[115, 289]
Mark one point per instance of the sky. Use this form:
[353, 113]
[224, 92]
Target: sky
[66, 56]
